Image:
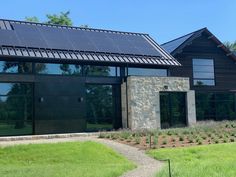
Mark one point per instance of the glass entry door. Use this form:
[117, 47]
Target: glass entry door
[173, 109]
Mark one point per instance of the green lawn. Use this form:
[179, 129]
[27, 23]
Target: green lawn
[217, 160]
[73, 159]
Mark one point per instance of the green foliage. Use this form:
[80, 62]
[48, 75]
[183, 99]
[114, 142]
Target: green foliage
[164, 141]
[231, 46]
[200, 161]
[61, 19]
[181, 138]
[62, 159]
[137, 139]
[32, 19]
[155, 139]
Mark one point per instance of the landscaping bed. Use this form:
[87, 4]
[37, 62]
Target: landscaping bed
[202, 134]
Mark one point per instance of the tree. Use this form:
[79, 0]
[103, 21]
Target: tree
[231, 46]
[32, 19]
[61, 19]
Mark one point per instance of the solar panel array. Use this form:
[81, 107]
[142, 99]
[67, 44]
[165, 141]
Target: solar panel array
[172, 45]
[49, 37]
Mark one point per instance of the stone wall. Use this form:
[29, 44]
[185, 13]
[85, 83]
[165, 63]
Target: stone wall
[144, 102]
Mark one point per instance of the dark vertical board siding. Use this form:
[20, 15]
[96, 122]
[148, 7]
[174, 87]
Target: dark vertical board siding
[202, 47]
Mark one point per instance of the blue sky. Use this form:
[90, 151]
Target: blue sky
[162, 19]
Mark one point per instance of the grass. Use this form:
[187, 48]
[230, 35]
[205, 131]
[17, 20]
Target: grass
[218, 160]
[72, 159]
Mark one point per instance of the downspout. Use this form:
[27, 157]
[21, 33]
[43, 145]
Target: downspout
[126, 95]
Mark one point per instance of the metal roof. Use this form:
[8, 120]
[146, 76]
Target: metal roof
[175, 46]
[37, 40]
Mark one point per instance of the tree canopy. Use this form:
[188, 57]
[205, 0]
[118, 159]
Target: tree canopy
[231, 46]
[63, 18]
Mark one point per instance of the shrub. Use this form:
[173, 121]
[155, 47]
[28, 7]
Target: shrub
[231, 139]
[198, 139]
[164, 141]
[125, 134]
[225, 140]
[147, 139]
[190, 139]
[101, 135]
[209, 135]
[108, 135]
[181, 138]
[216, 141]
[155, 140]
[185, 132]
[169, 133]
[204, 137]
[129, 139]
[114, 136]
[199, 142]
[137, 139]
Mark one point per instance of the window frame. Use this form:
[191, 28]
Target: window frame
[145, 75]
[207, 79]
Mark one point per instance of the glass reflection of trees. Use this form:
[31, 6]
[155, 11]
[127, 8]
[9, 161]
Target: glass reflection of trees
[15, 67]
[16, 109]
[60, 69]
[99, 100]
[215, 106]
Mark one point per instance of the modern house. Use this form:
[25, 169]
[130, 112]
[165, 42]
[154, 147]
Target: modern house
[211, 68]
[60, 79]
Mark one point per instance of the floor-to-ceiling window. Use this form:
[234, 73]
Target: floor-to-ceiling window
[173, 109]
[102, 107]
[215, 106]
[16, 110]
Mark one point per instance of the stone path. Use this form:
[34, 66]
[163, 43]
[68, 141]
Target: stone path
[146, 166]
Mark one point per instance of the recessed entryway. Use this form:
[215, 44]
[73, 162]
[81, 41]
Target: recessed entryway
[173, 109]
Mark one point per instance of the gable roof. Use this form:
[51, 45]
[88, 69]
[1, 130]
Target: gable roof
[38, 40]
[175, 46]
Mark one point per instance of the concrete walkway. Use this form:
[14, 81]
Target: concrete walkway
[146, 166]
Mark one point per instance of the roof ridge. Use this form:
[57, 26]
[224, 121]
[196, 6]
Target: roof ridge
[73, 27]
[184, 35]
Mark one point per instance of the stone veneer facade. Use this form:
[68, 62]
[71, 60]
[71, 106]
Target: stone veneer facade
[143, 100]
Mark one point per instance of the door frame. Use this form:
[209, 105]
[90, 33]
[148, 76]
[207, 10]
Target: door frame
[169, 107]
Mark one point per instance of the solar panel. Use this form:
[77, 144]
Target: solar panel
[79, 40]
[55, 38]
[8, 37]
[171, 46]
[36, 36]
[29, 36]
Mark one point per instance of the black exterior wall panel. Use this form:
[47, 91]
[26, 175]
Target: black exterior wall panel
[59, 105]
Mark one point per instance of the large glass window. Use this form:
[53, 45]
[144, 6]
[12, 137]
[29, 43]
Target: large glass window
[215, 106]
[15, 67]
[203, 72]
[59, 69]
[173, 109]
[91, 70]
[147, 72]
[102, 107]
[16, 110]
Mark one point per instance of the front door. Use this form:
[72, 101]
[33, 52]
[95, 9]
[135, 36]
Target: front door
[59, 105]
[173, 109]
